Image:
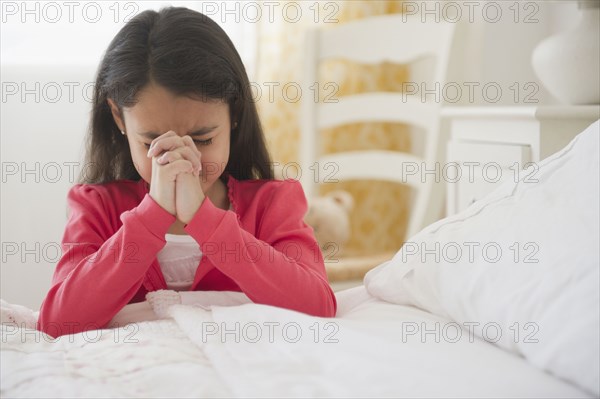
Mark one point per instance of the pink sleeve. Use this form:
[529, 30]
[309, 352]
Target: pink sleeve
[282, 266]
[99, 272]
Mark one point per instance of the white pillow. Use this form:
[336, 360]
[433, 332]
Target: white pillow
[541, 294]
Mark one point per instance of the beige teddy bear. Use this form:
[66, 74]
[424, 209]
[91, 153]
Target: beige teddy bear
[329, 216]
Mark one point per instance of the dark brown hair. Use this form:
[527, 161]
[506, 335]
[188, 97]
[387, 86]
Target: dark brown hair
[190, 55]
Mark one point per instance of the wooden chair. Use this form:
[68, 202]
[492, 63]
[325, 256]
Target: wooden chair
[400, 39]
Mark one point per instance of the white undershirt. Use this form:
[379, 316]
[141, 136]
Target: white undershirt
[179, 260]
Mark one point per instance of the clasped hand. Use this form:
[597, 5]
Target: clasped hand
[175, 183]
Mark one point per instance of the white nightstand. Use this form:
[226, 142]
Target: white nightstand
[490, 144]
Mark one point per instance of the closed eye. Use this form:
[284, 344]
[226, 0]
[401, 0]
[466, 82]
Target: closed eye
[204, 142]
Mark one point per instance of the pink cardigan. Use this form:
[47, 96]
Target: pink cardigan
[262, 248]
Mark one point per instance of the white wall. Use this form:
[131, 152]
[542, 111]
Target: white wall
[499, 53]
[41, 143]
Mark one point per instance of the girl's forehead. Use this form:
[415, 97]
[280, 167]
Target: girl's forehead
[154, 96]
[157, 106]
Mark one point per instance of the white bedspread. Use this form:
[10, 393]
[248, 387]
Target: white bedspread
[370, 349]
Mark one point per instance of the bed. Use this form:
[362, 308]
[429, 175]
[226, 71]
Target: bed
[368, 350]
[419, 326]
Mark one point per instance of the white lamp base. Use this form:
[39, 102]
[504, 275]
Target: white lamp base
[568, 63]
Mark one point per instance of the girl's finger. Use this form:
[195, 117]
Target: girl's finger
[192, 155]
[183, 153]
[179, 166]
[164, 142]
[168, 157]
[189, 142]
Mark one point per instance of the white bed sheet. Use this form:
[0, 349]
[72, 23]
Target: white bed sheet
[172, 358]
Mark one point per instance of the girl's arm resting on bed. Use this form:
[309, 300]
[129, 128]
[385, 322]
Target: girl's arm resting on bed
[283, 268]
[99, 273]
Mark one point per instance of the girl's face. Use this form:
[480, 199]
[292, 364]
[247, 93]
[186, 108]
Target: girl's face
[158, 111]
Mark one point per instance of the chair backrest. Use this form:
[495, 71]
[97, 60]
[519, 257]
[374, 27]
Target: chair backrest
[393, 38]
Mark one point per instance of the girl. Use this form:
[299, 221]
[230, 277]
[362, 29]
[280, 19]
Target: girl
[178, 193]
